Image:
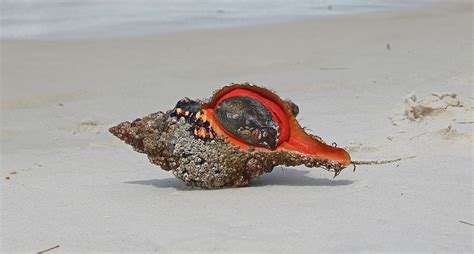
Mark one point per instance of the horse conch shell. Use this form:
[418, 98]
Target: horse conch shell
[242, 132]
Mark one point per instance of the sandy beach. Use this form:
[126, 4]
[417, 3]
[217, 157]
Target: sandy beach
[385, 85]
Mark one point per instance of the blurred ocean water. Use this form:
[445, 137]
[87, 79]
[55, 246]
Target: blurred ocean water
[45, 19]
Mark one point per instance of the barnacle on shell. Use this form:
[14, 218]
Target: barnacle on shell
[241, 132]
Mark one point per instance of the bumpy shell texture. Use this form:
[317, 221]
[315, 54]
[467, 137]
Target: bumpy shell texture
[241, 132]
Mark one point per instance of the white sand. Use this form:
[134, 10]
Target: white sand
[78, 186]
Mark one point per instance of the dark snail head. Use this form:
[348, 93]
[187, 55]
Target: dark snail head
[186, 107]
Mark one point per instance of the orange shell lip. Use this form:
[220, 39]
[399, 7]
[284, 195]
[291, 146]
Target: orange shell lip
[292, 136]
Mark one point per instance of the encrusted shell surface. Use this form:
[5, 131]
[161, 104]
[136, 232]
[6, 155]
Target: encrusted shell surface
[200, 148]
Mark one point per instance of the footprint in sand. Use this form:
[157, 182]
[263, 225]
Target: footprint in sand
[439, 115]
[360, 148]
[87, 126]
[6, 134]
